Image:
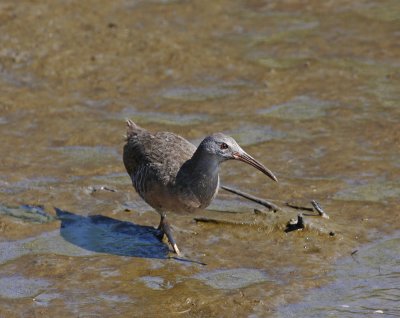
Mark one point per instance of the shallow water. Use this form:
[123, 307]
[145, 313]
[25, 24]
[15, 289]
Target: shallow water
[311, 90]
[363, 285]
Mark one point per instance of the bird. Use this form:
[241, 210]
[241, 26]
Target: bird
[171, 175]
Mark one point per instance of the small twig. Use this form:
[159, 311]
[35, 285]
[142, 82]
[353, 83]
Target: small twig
[105, 188]
[318, 208]
[250, 197]
[180, 259]
[183, 311]
[221, 222]
[297, 207]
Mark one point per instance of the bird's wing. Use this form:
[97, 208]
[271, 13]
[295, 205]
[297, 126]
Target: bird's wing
[165, 150]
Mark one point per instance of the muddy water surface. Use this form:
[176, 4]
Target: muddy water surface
[363, 285]
[311, 89]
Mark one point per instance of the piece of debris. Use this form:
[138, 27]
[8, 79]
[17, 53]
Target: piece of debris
[294, 224]
[101, 188]
[107, 189]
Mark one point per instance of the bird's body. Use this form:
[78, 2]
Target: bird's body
[160, 168]
[172, 175]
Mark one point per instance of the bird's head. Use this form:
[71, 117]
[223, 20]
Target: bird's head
[224, 148]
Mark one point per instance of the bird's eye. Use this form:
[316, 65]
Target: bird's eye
[223, 146]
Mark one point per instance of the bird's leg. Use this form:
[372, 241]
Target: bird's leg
[166, 229]
[160, 231]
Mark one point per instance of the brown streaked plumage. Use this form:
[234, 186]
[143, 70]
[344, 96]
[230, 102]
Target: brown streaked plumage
[172, 175]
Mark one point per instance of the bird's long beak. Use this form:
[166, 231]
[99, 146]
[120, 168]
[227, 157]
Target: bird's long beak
[244, 157]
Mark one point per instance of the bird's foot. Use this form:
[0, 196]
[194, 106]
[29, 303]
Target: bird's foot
[166, 229]
[176, 249]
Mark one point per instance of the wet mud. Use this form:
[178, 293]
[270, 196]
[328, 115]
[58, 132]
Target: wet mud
[309, 89]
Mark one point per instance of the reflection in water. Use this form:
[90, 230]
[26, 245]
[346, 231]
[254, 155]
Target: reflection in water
[102, 234]
[364, 284]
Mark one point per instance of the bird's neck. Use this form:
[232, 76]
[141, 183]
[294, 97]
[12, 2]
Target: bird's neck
[204, 163]
[200, 175]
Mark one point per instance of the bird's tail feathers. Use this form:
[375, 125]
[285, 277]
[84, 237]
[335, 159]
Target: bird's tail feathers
[131, 128]
[131, 124]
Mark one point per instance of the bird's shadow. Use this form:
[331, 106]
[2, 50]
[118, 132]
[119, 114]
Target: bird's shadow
[103, 234]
